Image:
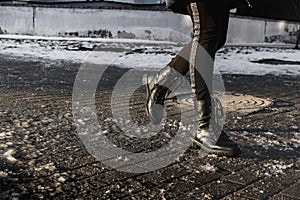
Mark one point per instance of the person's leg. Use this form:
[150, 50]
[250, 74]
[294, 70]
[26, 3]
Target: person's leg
[210, 29]
[181, 62]
[210, 23]
[207, 25]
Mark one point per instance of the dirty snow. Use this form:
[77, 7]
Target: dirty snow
[268, 139]
[145, 54]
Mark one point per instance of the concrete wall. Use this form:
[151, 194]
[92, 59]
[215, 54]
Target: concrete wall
[16, 19]
[243, 30]
[158, 25]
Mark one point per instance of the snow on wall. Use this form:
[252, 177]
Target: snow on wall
[156, 25]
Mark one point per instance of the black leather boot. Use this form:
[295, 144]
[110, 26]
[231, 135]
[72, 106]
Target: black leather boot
[207, 139]
[157, 88]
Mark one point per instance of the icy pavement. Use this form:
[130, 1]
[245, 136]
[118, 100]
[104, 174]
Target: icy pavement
[42, 157]
[145, 54]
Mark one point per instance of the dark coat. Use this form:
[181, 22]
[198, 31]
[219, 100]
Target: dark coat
[179, 6]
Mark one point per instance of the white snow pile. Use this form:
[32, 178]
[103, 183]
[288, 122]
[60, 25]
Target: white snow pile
[143, 54]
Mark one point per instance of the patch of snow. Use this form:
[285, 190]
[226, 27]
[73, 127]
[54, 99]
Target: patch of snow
[276, 167]
[206, 196]
[162, 194]
[3, 174]
[48, 166]
[238, 61]
[295, 142]
[61, 179]
[268, 133]
[8, 155]
[208, 168]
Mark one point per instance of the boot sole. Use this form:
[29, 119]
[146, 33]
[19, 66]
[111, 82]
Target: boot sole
[220, 152]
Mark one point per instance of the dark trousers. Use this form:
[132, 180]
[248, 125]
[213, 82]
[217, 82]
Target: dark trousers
[210, 24]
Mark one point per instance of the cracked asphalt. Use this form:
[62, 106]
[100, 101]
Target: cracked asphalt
[42, 157]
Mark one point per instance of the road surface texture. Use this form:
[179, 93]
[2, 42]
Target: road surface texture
[42, 157]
